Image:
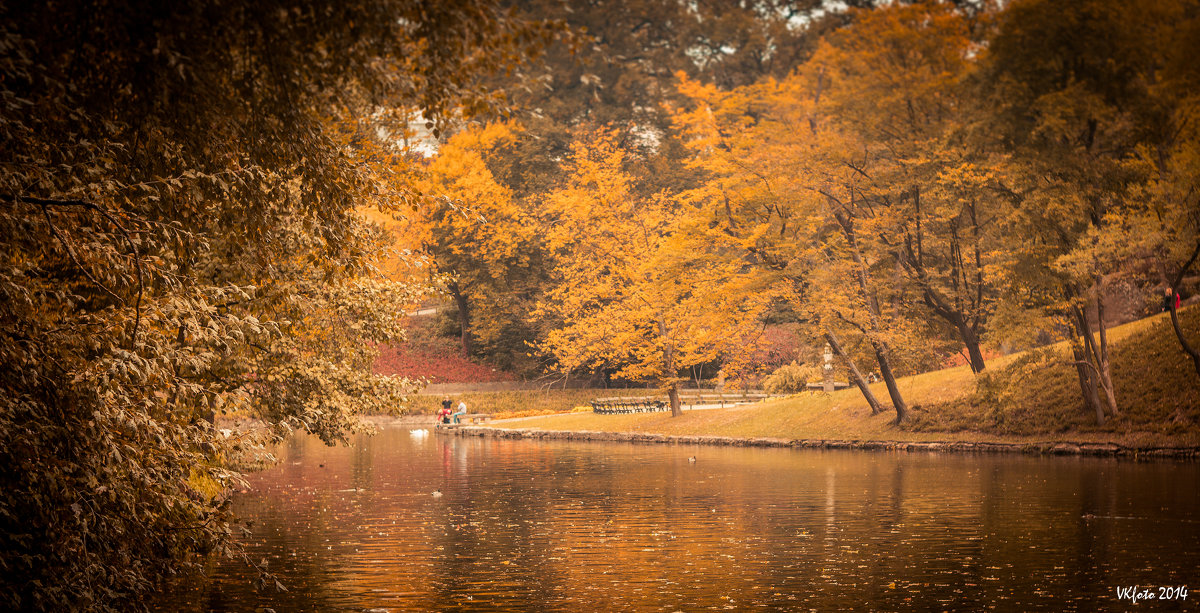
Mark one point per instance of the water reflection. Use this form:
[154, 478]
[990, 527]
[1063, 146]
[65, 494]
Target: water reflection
[557, 526]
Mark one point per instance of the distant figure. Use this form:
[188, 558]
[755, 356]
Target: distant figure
[443, 414]
[1170, 298]
[462, 410]
[446, 403]
[871, 378]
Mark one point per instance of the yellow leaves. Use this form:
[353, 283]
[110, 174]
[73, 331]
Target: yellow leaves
[629, 295]
[1061, 113]
[696, 89]
[477, 217]
[894, 71]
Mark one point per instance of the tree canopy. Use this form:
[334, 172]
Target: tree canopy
[918, 181]
[627, 187]
[179, 237]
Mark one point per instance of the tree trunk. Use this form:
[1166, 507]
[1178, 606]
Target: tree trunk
[1105, 368]
[464, 319]
[912, 259]
[669, 367]
[1095, 360]
[1187, 347]
[1087, 384]
[855, 375]
[971, 340]
[885, 371]
[957, 318]
[881, 348]
[673, 397]
[599, 378]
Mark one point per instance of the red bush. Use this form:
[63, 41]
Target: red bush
[440, 367]
[437, 359]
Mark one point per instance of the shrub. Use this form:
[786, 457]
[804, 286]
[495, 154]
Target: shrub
[791, 378]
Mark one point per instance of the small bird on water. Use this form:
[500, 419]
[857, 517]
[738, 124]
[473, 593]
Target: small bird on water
[437, 493]
[692, 459]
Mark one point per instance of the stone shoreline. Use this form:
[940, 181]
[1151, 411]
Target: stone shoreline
[1032, 448]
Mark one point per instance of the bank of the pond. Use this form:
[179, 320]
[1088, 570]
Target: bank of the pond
[1081, 448]
[1026, 401]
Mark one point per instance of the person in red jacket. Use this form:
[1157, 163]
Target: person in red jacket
[443, 414]
[1171, 297]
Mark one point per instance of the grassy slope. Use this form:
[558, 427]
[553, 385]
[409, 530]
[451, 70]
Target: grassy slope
[1020, 400]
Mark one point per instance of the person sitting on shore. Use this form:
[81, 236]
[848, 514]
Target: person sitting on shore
[443, 414]
[462, 410]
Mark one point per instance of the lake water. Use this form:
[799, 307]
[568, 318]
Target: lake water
[569, 526]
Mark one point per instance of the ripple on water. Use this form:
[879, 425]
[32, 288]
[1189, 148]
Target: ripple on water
[556, 526]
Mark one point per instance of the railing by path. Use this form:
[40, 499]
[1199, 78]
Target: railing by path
[644, 404]
[692, 398]
[688, 398]
[837, 385]
[511, 386]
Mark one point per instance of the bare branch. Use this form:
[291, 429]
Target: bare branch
[137, 259]
[71, 253]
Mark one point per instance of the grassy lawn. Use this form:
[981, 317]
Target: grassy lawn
[1032, 396]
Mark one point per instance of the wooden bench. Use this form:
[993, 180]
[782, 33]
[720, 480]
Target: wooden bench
[647, 404]
[474, 417]
[837, 385]
[462, 419]
[689, 397]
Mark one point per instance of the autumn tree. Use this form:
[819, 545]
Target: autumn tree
[899, 78]
[626, 298]
[787, 183]
[1080, 108]
[621, 70]
[482, 242]
[1167, 229]
[619, 73]
[179, 237]
[989, 162]
[1162, 224]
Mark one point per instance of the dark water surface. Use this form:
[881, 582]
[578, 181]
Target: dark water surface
[570, 526]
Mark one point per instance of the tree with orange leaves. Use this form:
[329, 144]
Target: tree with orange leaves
[625, 292]
[482, 243]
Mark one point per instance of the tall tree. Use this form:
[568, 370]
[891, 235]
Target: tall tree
[786, 182]
[899, 78]
[1162, 224]
[1078, 100]
[178, 236]
[482, 242]
[625, 298]
[621, 72]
